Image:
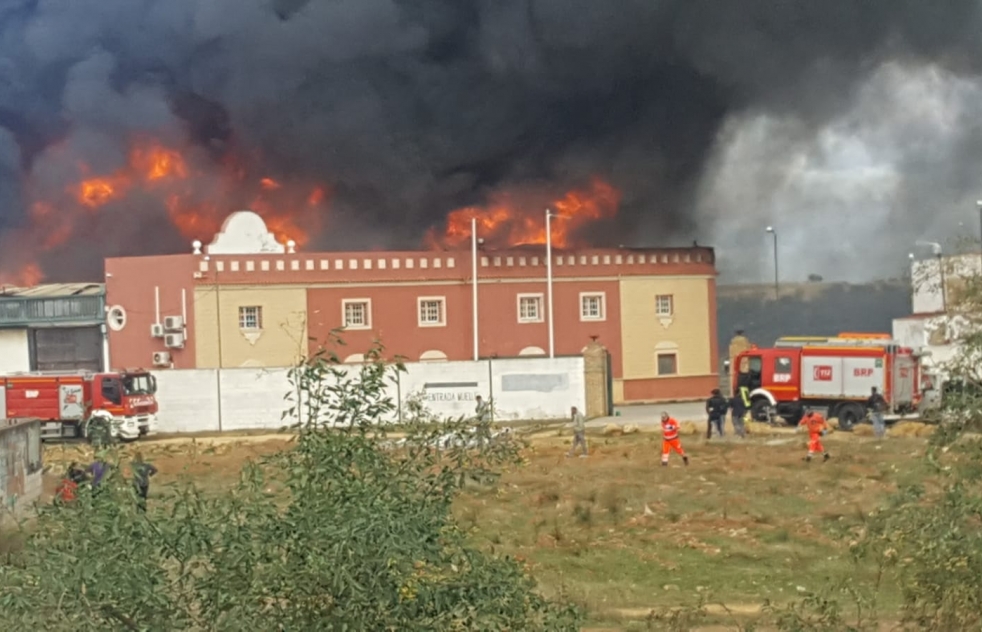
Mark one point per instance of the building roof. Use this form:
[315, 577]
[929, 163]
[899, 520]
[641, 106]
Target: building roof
[54, 290]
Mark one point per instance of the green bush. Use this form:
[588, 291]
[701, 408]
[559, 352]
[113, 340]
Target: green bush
[347, 530]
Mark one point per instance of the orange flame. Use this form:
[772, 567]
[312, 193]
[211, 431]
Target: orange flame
[57, 232]
[504, 223]
[316, 196]
[198, 196]
[157, 163]
[96, 192]
[28, 275]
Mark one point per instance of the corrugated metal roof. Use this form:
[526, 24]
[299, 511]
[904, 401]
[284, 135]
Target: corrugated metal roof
[54, 290]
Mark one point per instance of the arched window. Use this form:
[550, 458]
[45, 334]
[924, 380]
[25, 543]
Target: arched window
[433, 355]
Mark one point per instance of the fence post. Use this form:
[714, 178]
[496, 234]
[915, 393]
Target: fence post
[491, 388]
[399, 395]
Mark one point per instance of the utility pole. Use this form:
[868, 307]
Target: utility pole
[777, 289]
[552, 341]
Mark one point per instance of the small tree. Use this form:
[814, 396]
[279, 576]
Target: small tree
[347, 530]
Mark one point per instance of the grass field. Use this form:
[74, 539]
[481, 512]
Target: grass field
[746, 521]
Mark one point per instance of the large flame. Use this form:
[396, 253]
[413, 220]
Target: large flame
[504, 222]
[27, 275]
[197, 193]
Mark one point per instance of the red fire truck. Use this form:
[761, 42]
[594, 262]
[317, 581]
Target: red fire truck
[834, 374]
[66, 402]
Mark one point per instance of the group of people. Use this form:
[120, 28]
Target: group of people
[813, 422]
[717, 407]
[95, 474]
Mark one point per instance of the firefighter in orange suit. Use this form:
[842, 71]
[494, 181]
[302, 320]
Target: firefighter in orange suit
[816, 426]
[670, 439]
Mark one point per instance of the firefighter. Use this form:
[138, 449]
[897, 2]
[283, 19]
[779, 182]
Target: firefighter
[740, 410]
[816, 426]
[670, 440]
[716, 407]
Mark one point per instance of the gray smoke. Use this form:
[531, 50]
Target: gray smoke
[852, 126]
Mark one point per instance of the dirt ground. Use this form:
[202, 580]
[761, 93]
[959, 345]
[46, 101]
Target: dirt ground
[747, 520]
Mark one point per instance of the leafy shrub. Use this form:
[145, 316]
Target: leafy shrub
[348, 530]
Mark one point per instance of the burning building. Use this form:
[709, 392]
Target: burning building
[247, 299]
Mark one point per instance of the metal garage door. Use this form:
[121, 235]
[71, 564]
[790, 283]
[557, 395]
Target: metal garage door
[66, 349]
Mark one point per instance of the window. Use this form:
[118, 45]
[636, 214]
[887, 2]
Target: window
[117, 318]
[664, 305]
[782, 365]
[592, 306]
[530, 308]
[357, 313]
[111, 391]
[250, 317]
[668, 364]
[432, 311]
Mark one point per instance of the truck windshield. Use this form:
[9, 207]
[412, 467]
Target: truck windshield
[139, 384]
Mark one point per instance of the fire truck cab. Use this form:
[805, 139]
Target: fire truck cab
[834, 375]
[67, 402]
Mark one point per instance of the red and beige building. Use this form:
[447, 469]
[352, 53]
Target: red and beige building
[247, 301]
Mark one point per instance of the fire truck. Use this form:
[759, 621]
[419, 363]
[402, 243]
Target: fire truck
[833, 375]
[68, 402]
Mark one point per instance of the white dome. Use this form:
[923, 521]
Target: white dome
[244, 233]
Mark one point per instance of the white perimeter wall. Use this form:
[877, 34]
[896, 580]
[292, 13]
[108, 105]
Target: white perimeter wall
[14, 352]
[522, 389]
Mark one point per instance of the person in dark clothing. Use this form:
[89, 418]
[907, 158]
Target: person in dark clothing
[142, 471]
[67, 490]
[716, 407]
[96, 472]
[877, 406]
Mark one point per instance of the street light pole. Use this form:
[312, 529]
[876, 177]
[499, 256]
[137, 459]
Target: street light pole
[218, 319]
[978, 204]
[777, 290]
[477, 348]
[939, 255]
[552, 346]
[944, 290]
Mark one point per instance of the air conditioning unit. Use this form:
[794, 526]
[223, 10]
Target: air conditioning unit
[161, 358]
[174, 341]
[173, 323]
[156, 330]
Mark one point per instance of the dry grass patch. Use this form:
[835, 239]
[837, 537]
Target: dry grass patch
[746, 521]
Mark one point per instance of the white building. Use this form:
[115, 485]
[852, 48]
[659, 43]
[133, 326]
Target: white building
[933, 328]
[53, 327]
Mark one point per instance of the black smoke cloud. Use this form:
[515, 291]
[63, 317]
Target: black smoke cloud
[411, 108]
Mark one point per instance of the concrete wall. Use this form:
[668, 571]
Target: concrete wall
[533, 388]
[933, 335]
[15, 352]
[20, 468]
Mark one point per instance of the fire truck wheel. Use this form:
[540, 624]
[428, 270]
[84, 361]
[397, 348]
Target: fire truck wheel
[759, 410]
[849, 415]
